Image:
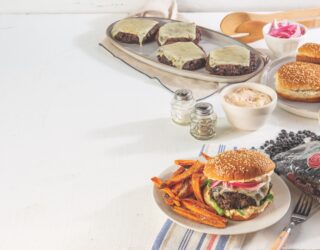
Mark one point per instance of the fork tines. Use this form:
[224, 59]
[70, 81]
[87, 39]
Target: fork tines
[303, 206]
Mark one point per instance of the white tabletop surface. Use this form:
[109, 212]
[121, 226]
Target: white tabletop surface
[81, 134]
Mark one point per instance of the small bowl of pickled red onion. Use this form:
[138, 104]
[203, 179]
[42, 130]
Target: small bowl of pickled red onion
[284, 37]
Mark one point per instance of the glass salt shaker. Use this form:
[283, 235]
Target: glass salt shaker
[203, 121]
[182, 106]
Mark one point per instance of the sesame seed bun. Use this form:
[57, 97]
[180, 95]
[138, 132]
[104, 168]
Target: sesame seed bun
[299, 81]
[309, 52]
[238, 165]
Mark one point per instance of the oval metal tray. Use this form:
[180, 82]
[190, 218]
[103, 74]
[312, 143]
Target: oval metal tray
[210, 40]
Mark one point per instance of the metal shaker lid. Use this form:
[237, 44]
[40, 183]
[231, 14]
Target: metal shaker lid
[203, 108]
[183, 95]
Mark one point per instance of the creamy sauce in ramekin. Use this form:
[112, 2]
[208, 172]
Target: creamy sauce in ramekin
[247, 97]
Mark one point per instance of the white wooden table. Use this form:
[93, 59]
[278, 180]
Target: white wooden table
[81, 134]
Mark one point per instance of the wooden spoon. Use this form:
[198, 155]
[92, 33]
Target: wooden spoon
[230, 22]
[251, 31]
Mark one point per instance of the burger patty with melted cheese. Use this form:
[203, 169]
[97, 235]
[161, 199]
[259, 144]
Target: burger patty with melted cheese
[238, 199]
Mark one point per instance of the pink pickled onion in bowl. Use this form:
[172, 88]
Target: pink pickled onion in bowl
[284, 29]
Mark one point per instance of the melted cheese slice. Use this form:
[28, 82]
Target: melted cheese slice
[135, 26]
[177, 30]
[180, 53]
[235, 55]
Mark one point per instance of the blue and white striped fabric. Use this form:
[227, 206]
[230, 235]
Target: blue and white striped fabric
[173, 236]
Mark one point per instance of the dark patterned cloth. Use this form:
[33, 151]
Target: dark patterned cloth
[301, 165]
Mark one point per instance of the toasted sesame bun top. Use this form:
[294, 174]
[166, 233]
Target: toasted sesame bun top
[238, 165]
[310, 49]
[298, 76]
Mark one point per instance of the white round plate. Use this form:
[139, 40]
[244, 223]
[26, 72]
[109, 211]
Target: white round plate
[304, 109]
[273, 213]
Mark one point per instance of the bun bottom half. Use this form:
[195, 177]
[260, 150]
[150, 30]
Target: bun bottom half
[237, 217]
[310, 96]
[304, 58]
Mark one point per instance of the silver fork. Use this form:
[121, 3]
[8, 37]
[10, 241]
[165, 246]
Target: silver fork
[299, 215]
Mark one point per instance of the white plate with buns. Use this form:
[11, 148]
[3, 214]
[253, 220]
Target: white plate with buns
[286, 98]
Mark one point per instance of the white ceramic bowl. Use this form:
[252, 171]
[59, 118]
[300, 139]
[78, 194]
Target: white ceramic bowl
[283, 46]
[248, 118]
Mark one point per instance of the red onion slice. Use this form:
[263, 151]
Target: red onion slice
[215, 183]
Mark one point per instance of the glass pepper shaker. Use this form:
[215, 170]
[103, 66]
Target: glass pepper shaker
[182, 106]
[203, 121]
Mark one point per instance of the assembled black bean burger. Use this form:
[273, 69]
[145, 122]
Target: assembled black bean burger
[238, 185]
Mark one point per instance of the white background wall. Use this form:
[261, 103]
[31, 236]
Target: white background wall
[78, 6]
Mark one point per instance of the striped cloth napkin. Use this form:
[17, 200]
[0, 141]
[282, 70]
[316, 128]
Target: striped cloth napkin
[173, 236]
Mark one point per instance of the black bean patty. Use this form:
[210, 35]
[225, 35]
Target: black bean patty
[233, 70]
[191, 65]
[233, 200]
[131, 38]
[182, 39]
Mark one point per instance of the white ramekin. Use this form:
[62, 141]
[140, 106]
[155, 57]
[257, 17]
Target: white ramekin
[283, 46]
[248, 118]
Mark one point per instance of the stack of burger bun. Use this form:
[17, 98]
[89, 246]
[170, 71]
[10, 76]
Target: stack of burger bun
[300, 80]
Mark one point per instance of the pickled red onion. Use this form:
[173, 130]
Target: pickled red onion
[285, 29]
[215, 183]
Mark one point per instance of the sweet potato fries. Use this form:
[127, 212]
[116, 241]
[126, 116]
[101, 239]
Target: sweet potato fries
[183, 193]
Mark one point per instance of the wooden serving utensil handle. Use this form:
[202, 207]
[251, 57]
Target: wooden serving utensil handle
[282, 238]
[290, 14]
[310, 23]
